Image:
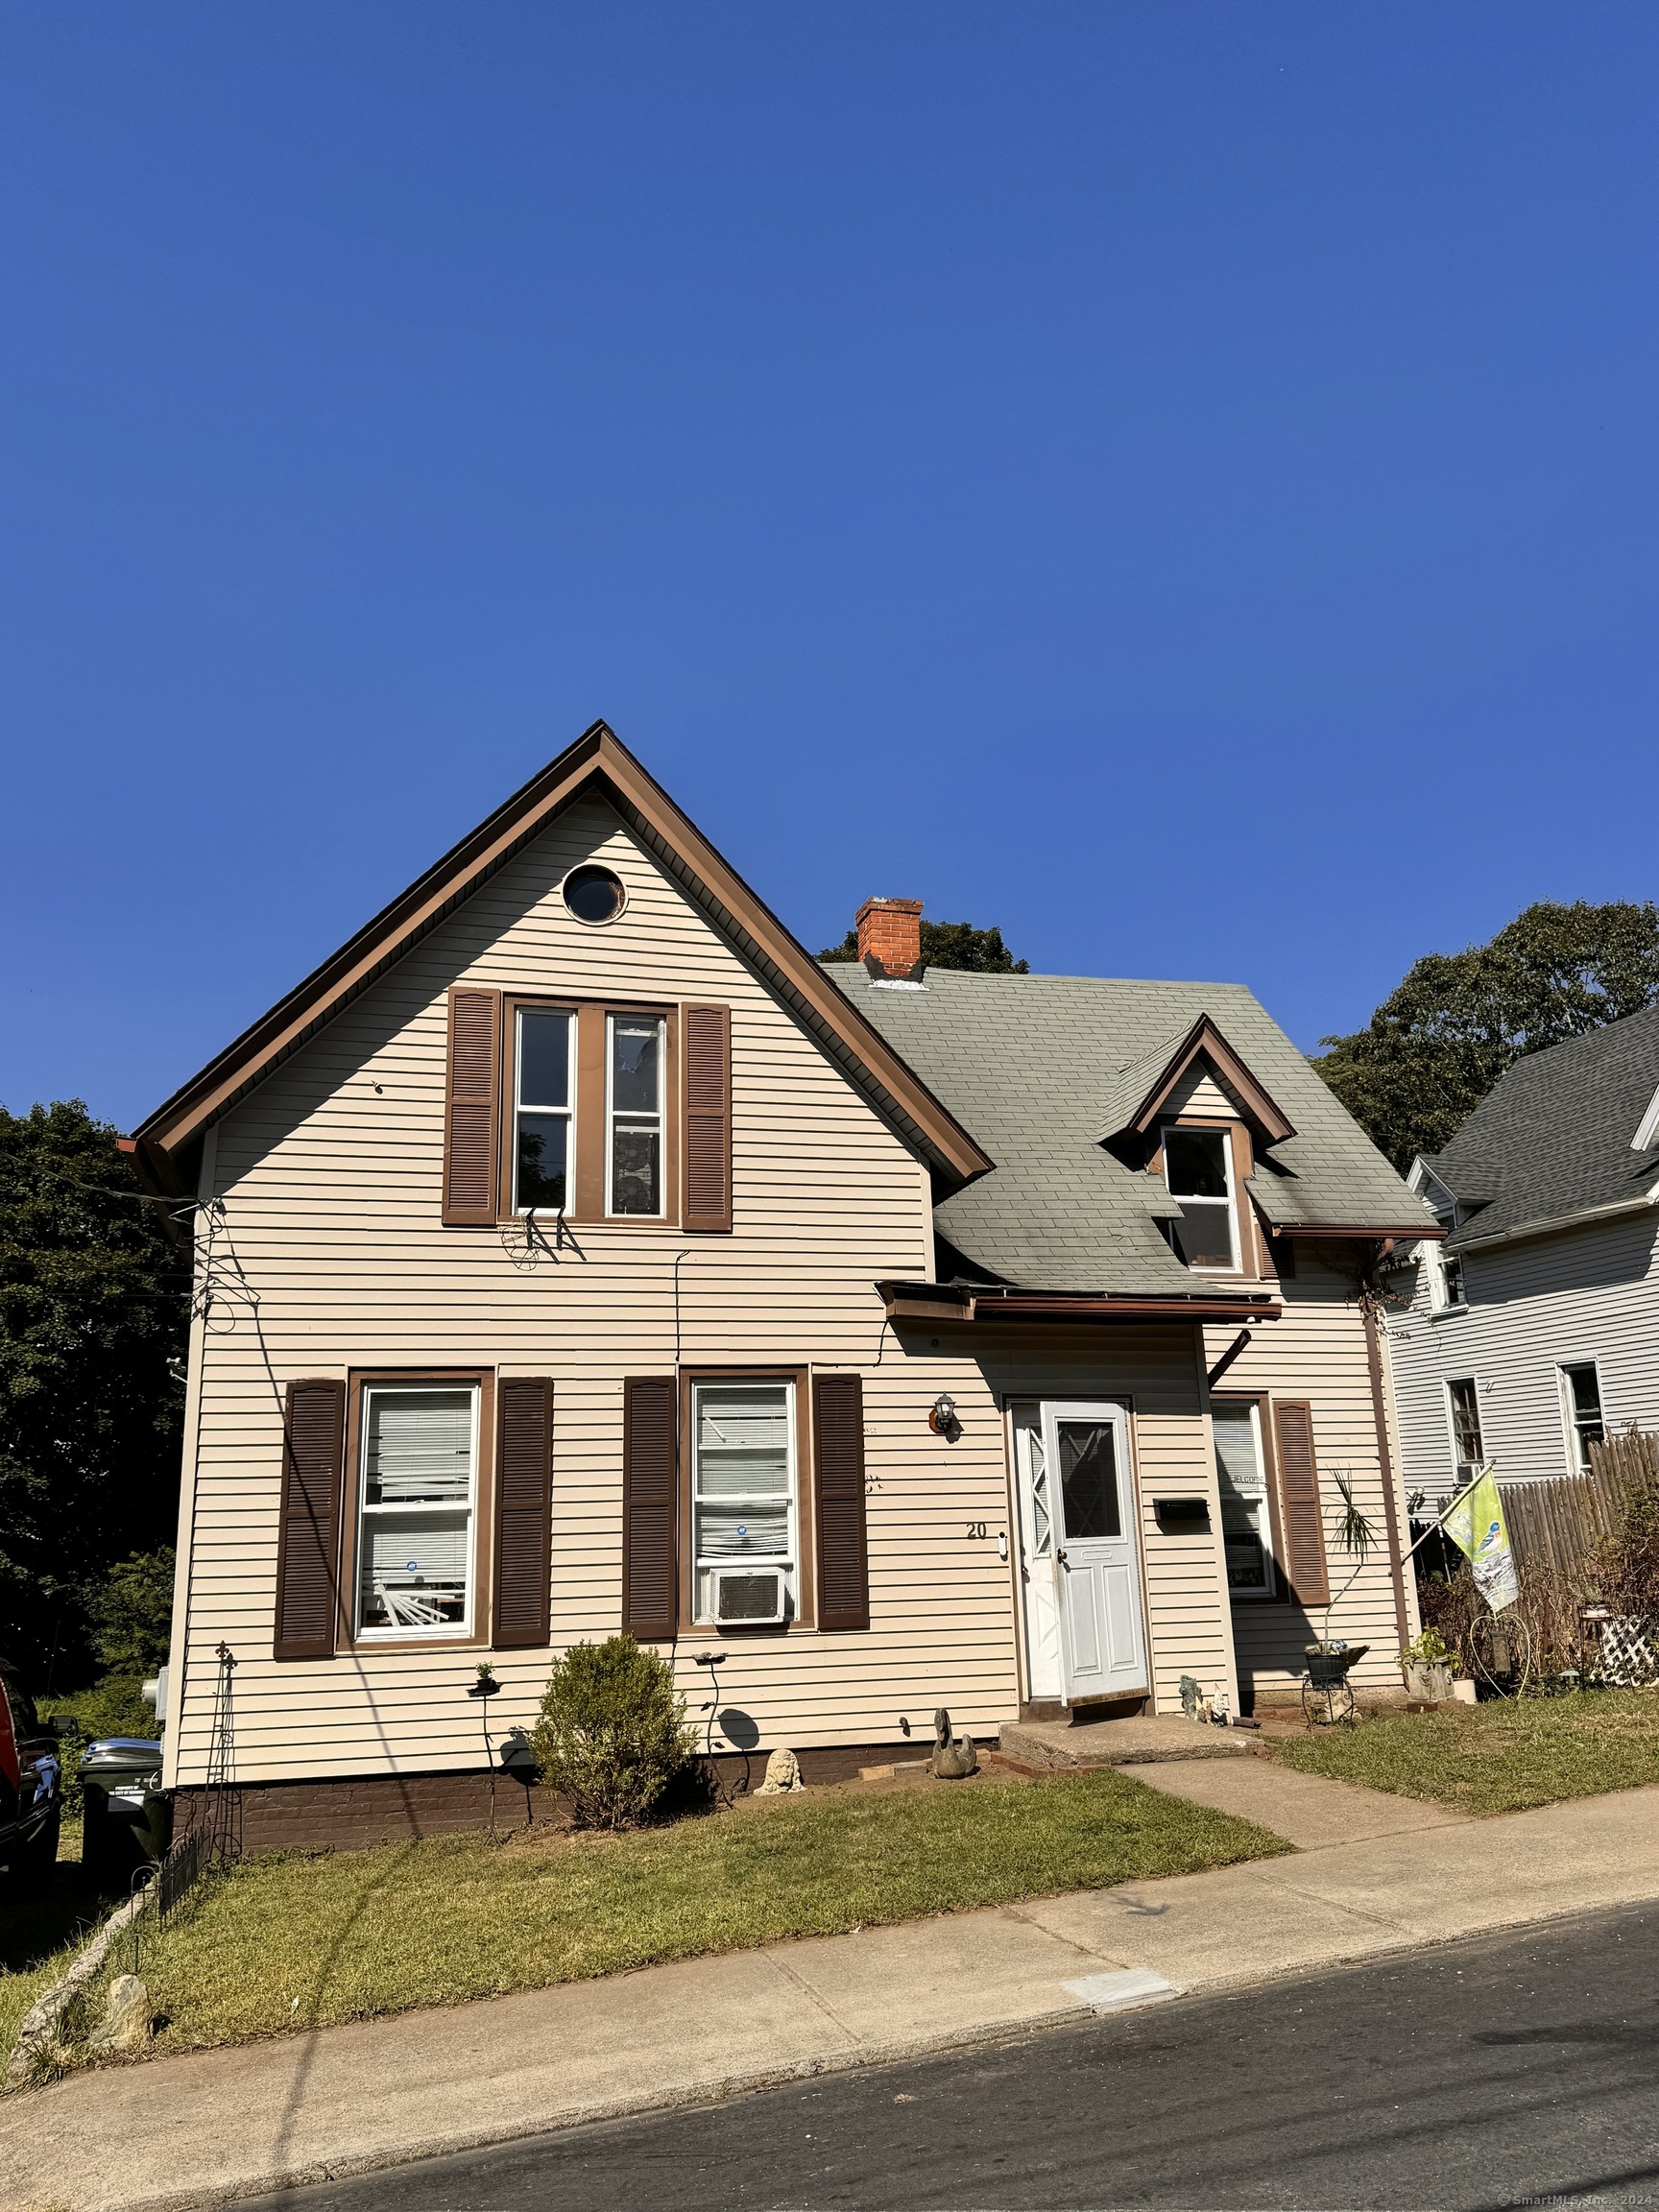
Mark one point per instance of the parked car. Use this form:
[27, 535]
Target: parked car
[30, 1784]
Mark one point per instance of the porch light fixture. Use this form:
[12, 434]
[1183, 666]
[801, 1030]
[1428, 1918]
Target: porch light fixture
[942, 1418]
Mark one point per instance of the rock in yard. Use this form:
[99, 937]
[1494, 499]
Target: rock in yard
[126, 2022]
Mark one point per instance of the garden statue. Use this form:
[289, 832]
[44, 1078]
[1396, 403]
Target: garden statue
[783, 1774]
[951, 1761]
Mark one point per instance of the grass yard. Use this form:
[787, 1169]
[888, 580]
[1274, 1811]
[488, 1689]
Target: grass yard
[290, 1940]
[1496, 1758]
[40, 1933]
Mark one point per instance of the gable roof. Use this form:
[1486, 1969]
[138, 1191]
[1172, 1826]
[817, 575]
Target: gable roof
[1139, 1090]
[597, 765]
[1034, 1064]
[1553, 1141]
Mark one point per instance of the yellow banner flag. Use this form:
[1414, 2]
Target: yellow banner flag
[1475, 1526]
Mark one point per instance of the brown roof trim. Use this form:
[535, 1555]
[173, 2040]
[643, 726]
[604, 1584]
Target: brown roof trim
[1307, 1231]
[962, 1303]
[1203, 1039]
[600, 765]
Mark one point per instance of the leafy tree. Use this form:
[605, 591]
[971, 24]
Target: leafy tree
[133, 1613]
[950, 945]
[1436, 1045]
[93, 1306]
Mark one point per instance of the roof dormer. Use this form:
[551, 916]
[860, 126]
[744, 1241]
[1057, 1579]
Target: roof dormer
[1172, 1078]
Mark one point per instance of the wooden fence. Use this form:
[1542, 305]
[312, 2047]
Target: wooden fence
[1554, 1524]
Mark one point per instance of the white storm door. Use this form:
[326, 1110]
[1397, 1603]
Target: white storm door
[1102, 1632]
[1038, 1571]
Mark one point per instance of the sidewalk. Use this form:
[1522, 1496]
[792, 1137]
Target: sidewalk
[1373, 1874]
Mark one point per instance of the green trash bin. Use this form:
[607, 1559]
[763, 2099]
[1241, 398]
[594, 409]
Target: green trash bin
[128, 1816]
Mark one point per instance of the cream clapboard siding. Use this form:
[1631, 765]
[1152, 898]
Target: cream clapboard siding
[329, 1173]
[1589, 1293]
[1317, 1352]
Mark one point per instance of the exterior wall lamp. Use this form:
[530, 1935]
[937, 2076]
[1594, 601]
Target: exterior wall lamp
[942, 1418]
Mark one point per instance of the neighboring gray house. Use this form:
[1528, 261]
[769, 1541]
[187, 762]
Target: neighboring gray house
[1535, 1329]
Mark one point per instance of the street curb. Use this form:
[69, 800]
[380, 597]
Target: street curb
[986, 2036]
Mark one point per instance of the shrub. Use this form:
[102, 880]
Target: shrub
[612, 1736]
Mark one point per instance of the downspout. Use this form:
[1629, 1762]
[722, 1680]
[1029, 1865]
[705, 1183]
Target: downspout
[1380, 1407]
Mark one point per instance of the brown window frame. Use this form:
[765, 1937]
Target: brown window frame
[1251, 1265]
[478, 1637]
[806, 1621]
[1263, 1400]
[589, 1114]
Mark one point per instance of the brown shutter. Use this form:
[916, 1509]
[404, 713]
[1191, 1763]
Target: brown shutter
[1300, 1527]
[843, 1560]
[706, 1033]
[523, 1510]
[308, 1542]
[471, 1108]
[650, 1507]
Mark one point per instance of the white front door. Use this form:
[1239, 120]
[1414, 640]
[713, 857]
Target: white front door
[1091, 1503]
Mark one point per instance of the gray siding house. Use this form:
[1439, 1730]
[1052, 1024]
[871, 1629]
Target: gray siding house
[1535, 1328]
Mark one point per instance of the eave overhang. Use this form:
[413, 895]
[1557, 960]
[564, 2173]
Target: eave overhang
[966, 1303]
[597, 765]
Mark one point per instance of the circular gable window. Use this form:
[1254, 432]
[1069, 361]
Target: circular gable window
[593, 894]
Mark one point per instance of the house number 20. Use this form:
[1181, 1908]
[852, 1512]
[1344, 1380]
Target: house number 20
[976, 1528]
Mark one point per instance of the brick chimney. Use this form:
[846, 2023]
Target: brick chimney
[890, 937]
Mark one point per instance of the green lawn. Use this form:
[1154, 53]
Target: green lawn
[290, 1940]
[1496, 1758]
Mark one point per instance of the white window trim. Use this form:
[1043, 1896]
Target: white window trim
[1647, 1128]
[790, 1561]
[1439, 1301]
[419, 1633]
[611, 1021]
[1457, 1461]
[1569, 1422]
[568, 1111]
[1223, 1129]
[1269, 1589]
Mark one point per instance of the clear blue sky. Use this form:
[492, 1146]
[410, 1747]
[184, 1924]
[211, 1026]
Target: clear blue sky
[1175, 478]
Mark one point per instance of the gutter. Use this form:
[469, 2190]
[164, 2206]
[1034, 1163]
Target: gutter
[1550, 1223]
[964, 1302]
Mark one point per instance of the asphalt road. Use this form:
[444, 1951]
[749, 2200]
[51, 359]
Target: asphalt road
[1508, 2071]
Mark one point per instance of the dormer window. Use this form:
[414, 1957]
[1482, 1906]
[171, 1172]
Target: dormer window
[1198, 1171]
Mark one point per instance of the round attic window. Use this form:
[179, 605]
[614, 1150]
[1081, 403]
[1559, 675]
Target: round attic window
[593, 894]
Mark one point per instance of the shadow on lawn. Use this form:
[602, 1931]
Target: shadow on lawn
[35, 1924]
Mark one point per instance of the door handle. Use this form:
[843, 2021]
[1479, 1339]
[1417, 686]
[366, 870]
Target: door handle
[1063, 1561]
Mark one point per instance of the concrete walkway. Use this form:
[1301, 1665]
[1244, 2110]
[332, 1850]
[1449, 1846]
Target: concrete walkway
[1377, 1874]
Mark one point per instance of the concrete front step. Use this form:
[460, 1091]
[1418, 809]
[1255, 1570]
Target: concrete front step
[1132, 1740]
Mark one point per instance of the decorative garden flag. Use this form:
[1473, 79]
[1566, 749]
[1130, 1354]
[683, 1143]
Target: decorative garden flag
[1475, 1526]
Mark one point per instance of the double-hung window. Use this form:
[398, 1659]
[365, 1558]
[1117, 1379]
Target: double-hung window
[1445, 1269]
[1582, 1399]
[744, 1501]
[1468, 1454]
[634, 1154]
[1246, 1534]
[1198, 1171]
[418, 1486]
[542, 1148]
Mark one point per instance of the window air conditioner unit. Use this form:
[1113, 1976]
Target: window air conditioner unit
[747, 1596]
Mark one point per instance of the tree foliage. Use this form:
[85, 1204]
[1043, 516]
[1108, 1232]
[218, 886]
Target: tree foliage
[950, 945]
[1436, 1045]
[93, 1305]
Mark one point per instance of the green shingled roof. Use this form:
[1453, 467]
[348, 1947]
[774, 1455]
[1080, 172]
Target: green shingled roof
[1032, 1066]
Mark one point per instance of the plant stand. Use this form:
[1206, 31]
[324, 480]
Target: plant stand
[1327, 1698]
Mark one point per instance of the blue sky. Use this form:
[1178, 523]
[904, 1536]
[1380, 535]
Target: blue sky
[1175, 480]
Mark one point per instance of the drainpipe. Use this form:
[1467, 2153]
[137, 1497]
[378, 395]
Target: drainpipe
[1380, 1407]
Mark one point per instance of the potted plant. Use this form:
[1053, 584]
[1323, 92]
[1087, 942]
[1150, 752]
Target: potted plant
[1425, 1668]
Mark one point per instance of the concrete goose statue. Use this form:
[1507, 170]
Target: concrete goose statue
[952, 1761]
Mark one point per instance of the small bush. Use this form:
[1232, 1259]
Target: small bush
[612, 1736]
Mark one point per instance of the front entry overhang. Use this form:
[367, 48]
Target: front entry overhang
[981, 1305]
